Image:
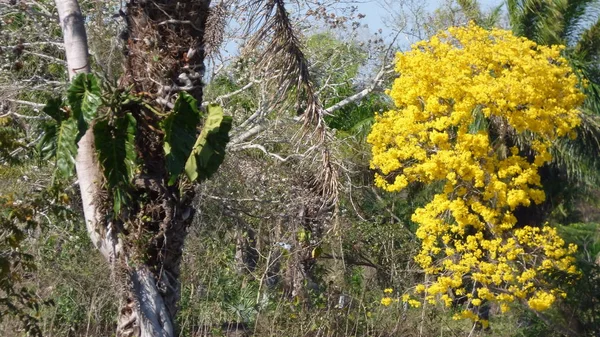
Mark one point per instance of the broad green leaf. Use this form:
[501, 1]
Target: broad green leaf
[209, 150]
[115, 145]
[66, 148]
[84, 98]
[47, 144]
[180, 134]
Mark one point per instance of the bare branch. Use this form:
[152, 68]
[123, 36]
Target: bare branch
[31, 104]
[386, 69]
[231, 94]
[41, 43]
[48, 57]
[14, 114]
[179, 22]
[262, 148]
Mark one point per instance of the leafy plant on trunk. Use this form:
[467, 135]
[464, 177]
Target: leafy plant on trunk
[114, 117]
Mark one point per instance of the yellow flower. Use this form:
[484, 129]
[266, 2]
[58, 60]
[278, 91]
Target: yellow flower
[388, 290]
[414, 303]
[541, 301]
[386, 301]
[450, 92]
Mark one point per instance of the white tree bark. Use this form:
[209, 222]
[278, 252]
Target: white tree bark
[75, 38]
[155, 320]
[89, 175]
[88, 171]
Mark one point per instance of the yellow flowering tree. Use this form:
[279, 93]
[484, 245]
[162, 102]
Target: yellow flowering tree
[465, 101]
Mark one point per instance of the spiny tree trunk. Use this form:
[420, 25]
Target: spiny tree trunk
[164, 55]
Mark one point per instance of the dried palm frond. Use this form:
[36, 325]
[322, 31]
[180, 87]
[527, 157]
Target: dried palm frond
[327, 180]
[284, 63]
[215, 28]
[282, 55]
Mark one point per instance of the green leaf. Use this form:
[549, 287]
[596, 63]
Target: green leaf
[84, 98]
[209, 150]
[54, 109]
[180, 134]
[115, 144]
[47, 144]
[479, 123]
[59, 140]
[64, 147]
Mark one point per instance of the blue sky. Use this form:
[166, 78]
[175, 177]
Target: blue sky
[377, 13]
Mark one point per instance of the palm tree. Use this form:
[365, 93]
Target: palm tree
[146, 264]
[576, 25]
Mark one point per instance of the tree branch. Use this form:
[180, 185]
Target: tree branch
[262, 148]
[48, 57]
[31, 104]
[386, 69]
[231, 94]
[11, 113]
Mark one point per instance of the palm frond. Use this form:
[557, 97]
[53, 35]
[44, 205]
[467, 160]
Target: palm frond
[579, 159]
[550, 22]
[215, 28]
[589, 77]
[471, 10]
[573, 14]
[283, 60]
[525, 16]
[283, 56]
[588, 45]
[493, 17]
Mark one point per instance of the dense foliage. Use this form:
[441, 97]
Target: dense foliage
[484, 205]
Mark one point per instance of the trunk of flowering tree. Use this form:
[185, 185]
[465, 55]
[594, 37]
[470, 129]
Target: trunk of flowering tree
[164, 55]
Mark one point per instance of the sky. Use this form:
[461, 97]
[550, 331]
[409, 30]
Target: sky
[377, 17]
[378, 13]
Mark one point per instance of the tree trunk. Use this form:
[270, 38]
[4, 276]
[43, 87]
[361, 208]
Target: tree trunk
[74, 36]
[164, 55]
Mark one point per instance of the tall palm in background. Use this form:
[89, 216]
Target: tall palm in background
[574, 173]
[576, 25]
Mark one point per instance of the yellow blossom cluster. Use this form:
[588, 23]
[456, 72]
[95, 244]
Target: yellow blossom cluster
[463, 100]
[386, 301]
